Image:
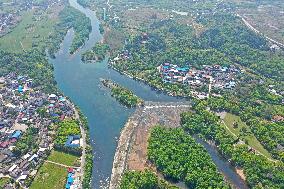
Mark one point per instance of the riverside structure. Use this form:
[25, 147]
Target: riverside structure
[106, 117]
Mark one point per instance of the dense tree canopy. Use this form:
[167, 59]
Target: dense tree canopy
[180, 158]
[69, 18]
[258, 170]
[143, 180]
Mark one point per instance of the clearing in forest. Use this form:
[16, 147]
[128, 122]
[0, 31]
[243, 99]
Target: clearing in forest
[241, 130]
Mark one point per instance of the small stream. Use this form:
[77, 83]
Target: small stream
[106, 117]
[223, 166]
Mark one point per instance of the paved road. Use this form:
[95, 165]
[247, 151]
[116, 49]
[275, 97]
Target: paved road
[258, 152]
[258, 32]
[83, 133]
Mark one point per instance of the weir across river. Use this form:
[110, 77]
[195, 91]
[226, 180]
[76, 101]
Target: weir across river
[106, 117]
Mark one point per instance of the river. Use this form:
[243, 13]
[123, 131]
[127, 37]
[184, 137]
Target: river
[81, 83]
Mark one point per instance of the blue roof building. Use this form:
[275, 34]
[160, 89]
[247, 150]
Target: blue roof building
[16, 134]
[166, 67]
[70, 175]
[67, 186]
[20, 89]
[70, 139]
[70, 180]
[62, 99]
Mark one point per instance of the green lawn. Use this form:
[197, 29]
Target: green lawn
[63, 158]
[230, 119]
[50, 176]
[3, 181]
[32, 31]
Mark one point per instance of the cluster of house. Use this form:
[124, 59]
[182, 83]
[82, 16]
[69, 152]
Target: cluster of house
[216, 75]
[122, 56]
[72, 180]
[23, 107]
[6, 20]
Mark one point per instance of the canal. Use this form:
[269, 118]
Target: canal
[81, 83]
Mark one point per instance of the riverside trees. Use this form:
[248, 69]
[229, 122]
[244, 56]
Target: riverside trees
[180, 158]
[97, 53]
[259, 171]
[70, 18]
[143, 180]
[122, 94]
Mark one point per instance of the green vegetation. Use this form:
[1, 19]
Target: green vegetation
[122, 94]
[240, 129]
[269, 20]
[3, 182]
[62, 158]
[65, 129]
[220, 38]
[32, 31]
[23, 51]
[50, 176]
[27, 142]
[101, 28]
[84, 3]
[41, 29]
[259, 170]
[226, 41]
[97, 53]
[70, 18]
[180, 158]
[33, 63]
[88, 169]
[256, 107]
[242, 45]
[143, 180]
[125, 96]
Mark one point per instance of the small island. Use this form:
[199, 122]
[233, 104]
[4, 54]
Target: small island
[96, 54]
[122, 94]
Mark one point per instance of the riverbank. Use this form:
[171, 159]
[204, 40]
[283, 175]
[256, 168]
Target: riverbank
[131, 152]
[230, 172]
[105, 116]
[156, 88]
[122, 94]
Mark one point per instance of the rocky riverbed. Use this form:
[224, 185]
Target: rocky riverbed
[131, 152]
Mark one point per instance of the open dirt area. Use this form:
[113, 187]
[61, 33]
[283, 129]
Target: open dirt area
[131, 153]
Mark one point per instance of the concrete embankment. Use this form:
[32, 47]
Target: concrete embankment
[131, 152]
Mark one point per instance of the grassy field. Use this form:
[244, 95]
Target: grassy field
[50, 176]
[63, 158]
[3, 181]
[243, 131]
[32, 31]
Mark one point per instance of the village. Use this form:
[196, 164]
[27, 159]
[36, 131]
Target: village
[215, 77]
[26, 137]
